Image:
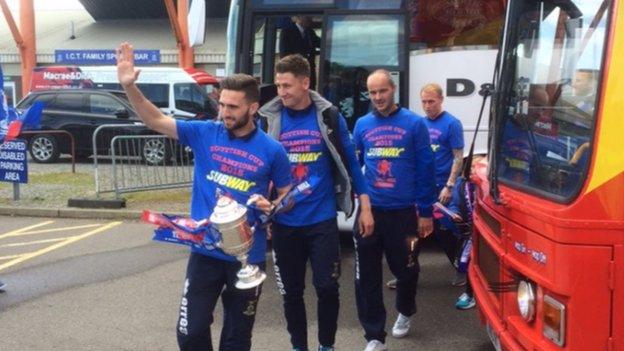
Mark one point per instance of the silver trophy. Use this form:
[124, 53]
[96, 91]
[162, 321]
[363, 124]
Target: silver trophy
[230, 219]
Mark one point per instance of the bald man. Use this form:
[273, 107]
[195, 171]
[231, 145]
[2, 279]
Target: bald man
[399, 171]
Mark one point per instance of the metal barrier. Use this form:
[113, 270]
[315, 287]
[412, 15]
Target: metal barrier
[139, 160]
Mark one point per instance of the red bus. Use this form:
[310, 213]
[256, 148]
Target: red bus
[548, 254]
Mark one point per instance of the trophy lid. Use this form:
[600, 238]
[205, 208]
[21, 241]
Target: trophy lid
[227, 210]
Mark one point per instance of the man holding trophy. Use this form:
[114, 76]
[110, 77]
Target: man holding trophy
[233, 160]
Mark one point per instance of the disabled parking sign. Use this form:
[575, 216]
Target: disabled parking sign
[13, 165]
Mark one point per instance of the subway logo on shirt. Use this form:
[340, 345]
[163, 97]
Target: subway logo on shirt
[229, 181]
[385, 151]
[304, 157]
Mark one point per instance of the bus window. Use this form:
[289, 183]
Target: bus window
[265, 33]
[455, 23]
[232, 37]
[358, 44]
[548, 120]
[373, 4]
[258, 51]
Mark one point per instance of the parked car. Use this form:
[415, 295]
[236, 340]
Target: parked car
[80, 112]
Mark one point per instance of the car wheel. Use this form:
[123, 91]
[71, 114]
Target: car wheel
[155, 152]
[43, 148]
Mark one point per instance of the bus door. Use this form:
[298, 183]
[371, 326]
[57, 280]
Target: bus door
[348, 40]
[355, 44]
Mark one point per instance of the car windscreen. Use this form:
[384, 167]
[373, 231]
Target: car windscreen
[45, 98]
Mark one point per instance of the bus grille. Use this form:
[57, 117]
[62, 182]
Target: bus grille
[489, 265]
[492, 223]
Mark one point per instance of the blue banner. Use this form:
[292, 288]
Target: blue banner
[103, 57]
[13, 165]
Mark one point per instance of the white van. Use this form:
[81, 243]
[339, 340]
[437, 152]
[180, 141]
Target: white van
[172, 89]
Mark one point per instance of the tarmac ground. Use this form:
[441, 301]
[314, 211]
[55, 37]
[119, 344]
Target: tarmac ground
[103, 284]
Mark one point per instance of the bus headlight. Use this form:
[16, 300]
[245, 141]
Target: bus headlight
[554, 320]
[526, 300]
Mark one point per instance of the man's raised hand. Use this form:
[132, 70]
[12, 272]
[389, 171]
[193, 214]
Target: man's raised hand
[126, 73]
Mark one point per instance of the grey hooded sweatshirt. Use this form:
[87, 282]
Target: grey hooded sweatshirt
[272, 110]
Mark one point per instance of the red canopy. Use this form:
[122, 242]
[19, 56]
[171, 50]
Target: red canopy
[201, 77]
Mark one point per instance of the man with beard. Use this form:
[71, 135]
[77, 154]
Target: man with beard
[393, 144]
[237, 159]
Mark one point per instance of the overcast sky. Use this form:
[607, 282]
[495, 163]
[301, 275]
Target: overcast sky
[42, 5]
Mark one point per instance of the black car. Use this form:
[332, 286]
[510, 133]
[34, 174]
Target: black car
[80, 112]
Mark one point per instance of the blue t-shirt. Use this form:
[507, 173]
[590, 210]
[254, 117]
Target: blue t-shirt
[399, 162]
[239, 167]
[446, 134]
[308, 154]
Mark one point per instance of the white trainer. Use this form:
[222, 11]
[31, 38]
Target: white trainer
[375, 345]
[401, 326]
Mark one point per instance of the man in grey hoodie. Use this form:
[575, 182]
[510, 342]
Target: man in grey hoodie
[319, 147]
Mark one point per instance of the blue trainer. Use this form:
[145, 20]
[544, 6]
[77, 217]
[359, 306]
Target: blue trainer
[465, 302]
[326, 348]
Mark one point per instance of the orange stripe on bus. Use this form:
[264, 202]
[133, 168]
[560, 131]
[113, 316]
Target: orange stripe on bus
[609, 153]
